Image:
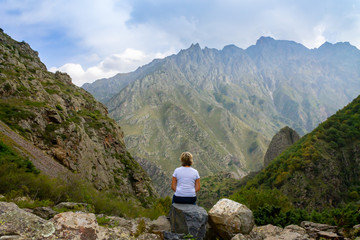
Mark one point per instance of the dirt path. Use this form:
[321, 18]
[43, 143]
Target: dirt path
[41, 161]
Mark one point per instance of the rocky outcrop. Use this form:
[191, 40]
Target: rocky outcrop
[307, 231]
[16, 223]
[318, 231]
[282, 140]
[229, 218]
[188, 219]
[65, 123]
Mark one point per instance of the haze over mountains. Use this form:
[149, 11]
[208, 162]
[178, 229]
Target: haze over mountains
[225, 105]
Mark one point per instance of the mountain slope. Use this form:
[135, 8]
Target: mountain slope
[322, 169]
[66, 123]
[225, 105]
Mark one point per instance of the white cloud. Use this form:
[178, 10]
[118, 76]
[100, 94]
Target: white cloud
[96, 39]
[127, 61]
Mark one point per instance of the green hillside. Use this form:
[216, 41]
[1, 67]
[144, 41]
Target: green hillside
[323, 168]
[65, 125]
[320, 172]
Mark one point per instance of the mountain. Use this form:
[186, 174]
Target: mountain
[281, 141]
[322, 169]
[63, 128]
[225, 105]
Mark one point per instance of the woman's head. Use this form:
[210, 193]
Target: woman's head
[186, 159]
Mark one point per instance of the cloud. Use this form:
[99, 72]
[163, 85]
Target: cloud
[92, 39]
[127, 61]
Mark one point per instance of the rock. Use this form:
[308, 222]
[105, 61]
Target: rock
[148, 236]
[316, 229]
[172, 236]
[282, 140]
[160, 224]
[70, 225]
[73, 206]
[295, 228]
[229, 218]
[270, 232]
[267, 231]
[328, 235]
[188, 219]
[44, 212]
[17, 222]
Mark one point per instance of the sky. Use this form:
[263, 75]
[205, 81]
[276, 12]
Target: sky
[93, 39]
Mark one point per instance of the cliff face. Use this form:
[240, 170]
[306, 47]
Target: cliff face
[282, 140]
[65, 122]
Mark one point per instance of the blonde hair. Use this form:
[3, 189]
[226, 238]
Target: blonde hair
[186, 159]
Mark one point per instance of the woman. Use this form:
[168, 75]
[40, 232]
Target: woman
[185, 181]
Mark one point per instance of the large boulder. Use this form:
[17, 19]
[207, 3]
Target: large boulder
[188, 219]
[229, 218]
[15, 222]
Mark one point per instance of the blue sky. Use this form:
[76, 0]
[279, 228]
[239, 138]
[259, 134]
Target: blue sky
[92, 39]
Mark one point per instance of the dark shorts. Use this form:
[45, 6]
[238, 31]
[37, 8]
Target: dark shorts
[185, 200]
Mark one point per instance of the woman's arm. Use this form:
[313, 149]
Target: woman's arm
[197, 185]
[173, 184]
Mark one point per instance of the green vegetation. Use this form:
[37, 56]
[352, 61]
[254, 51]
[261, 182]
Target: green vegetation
[11, 114]
[216, 187]
[271, 206]
[316, 179]
[19, 177]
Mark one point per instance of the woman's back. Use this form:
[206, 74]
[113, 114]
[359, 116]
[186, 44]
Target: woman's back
[186, 177]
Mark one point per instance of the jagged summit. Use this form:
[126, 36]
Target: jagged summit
[265, 40]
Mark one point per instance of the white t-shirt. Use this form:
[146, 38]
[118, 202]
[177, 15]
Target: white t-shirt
[185, 177]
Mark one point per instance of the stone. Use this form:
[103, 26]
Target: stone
[313, 229]
[188, 219]
[44, 212]
[17, 222]
[172, 236]
[282, 140]
[161, 223]
[267, 231]
[73, 206]
[270, 232]
[328, 235]
[229, 218]
[148, 236]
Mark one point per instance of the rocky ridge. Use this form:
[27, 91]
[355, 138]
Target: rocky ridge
[66, 123]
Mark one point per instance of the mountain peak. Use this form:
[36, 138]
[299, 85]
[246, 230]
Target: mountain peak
[264, 40]
[195, 47]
